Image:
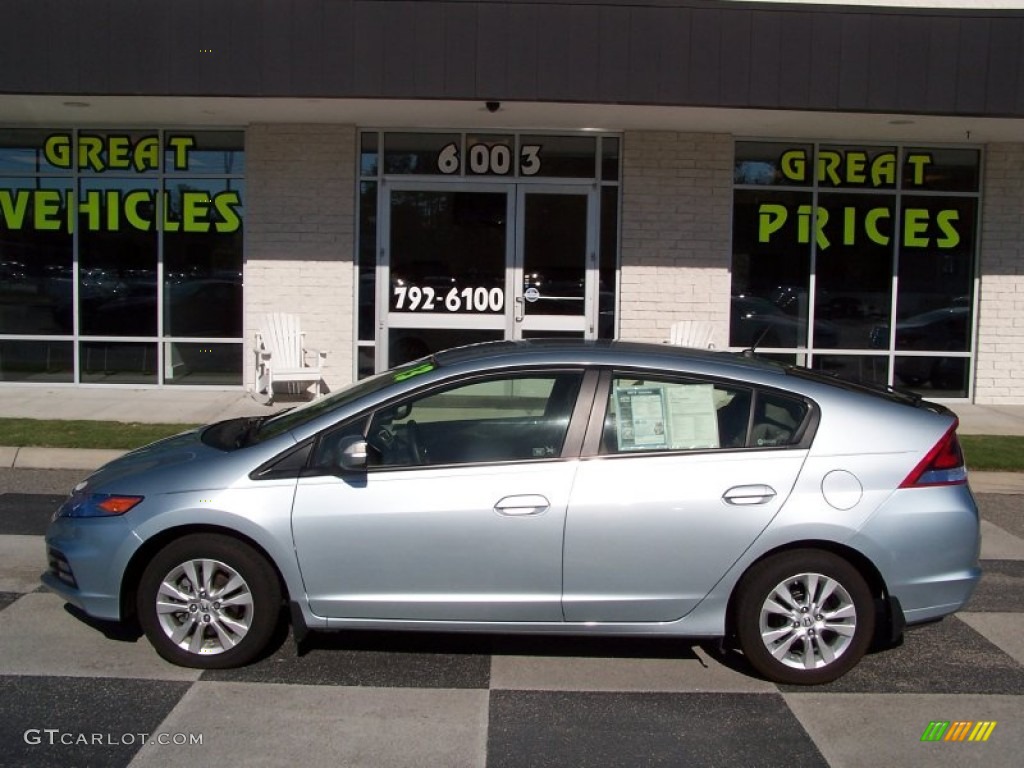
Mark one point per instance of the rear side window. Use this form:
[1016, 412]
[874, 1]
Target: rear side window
[663, 415]
[660, 414]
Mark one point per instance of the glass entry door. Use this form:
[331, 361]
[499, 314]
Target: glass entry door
[554, 263]
[465, 263]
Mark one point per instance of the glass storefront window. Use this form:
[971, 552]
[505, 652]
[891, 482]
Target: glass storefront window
[36, 257]
[367, 258]
[765, 163]
[942, 170]
[41, 361]
[118, 362]
[368, 156]
[26, 152]
[853, 268]
[88, 221]
[193, 363]
[872, 369]
[561, 156]
[117, 266]
[202, 241]
[770, 269]
[856, 167]
[216, 153]
[610, 158]
[867, 221]
[609, 268]
[421, 153]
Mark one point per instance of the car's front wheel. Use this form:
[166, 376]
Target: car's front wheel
[804, 617]
[209, 601]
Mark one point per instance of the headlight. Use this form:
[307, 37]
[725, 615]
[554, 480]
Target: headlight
[97, 505]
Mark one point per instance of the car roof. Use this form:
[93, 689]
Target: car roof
[598, 352]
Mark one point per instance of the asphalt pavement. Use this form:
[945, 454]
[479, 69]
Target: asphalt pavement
[79, 692]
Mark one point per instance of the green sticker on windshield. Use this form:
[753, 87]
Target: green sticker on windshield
[424, 368]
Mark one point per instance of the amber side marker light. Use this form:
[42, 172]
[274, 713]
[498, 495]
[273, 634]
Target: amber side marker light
[118, 505]
[97, 505]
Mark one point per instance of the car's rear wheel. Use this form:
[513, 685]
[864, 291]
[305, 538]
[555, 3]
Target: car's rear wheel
[209, 601]
[804, 617]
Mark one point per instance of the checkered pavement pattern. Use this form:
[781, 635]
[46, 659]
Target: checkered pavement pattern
[79, 692]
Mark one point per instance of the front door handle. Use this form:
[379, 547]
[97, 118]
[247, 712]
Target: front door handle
[746, 495]
[530, 504]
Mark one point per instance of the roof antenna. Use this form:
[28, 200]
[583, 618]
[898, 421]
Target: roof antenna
[757, 342]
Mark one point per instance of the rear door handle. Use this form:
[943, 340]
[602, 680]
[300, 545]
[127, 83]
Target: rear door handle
[746, 495]
[529, 504]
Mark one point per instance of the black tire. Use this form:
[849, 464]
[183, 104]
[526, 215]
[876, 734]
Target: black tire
[806, 632]
[209, 633]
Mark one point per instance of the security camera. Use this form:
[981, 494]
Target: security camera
[493, 106]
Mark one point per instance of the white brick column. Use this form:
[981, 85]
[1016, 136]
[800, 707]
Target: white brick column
[299, 236]
[999, 377]
[676, 232]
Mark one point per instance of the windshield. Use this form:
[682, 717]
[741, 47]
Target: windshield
[294, 417]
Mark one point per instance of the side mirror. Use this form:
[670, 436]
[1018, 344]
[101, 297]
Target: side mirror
[353, 454]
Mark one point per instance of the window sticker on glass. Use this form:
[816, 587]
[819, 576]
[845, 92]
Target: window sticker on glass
[693, 420]
[418, 370]
[666, 416]
[640, 418]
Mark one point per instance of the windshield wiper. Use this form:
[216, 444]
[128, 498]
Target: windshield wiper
[250, 428]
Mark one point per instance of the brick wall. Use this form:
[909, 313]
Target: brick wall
[1000, 366]
[299, 236]
[676, 232]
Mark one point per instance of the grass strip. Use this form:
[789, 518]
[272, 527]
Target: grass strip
[995, 453]
[45, 433]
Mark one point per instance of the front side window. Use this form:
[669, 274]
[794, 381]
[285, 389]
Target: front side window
[512, 418]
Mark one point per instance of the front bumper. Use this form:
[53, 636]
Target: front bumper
[88, 557]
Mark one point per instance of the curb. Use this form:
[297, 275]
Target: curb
[86, 459]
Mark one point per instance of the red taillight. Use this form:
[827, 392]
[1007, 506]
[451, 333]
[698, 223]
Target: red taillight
[943, 465]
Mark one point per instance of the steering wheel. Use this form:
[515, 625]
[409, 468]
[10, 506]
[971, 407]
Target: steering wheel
[412, 440]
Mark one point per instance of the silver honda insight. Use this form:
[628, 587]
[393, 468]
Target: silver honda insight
[599, 488]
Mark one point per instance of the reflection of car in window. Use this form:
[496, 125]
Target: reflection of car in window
[759, 322]
[939, 330]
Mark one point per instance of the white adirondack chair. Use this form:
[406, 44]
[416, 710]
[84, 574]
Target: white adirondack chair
[692, 333]
[282, 356]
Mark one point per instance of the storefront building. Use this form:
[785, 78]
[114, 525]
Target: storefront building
[840, 186]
